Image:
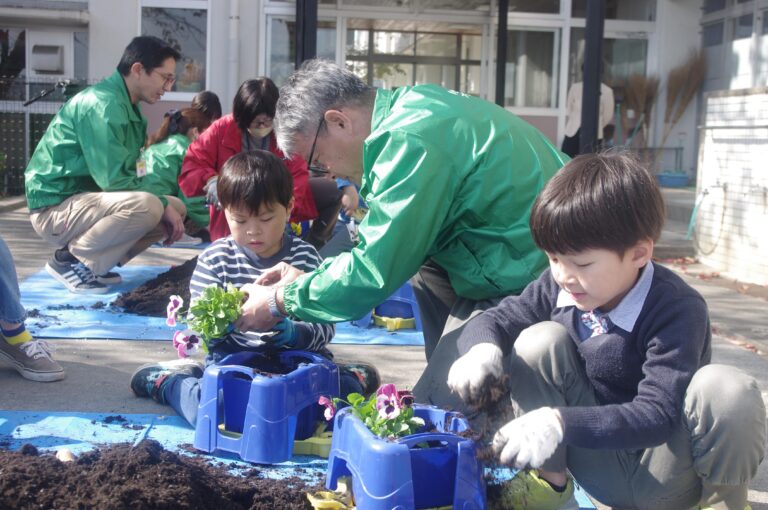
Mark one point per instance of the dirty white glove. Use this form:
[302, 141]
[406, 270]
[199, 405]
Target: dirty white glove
[469, 372]
[530, 439]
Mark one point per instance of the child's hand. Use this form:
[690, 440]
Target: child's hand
[530, 439]
[285, 336]
[469, 372]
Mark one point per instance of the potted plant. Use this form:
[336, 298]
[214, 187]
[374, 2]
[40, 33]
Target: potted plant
[403, 455]
[210, 316]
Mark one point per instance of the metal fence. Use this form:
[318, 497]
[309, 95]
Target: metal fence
[26, 109]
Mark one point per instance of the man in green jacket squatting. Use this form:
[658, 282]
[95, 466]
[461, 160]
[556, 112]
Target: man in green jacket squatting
[84, 183]
[449, 180]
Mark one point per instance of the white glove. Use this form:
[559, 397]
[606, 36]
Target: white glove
[211, 193]
[530, 439]
[469, 372]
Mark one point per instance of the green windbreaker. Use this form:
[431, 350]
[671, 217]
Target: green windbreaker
[163, 166]
[91, 144]
[447, 177]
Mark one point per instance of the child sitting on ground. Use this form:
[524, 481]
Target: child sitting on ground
[608, 361]
[255, 191]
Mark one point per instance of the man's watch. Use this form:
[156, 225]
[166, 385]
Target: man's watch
[274, 311]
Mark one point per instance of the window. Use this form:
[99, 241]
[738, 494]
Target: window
[637, 10]
[713, 6]
[282, 52]
[186, 30]
[742, 27]
[712, 35]
[13, 63]
[539, 6]
[395, 58]
[531, 70]
[622, 57]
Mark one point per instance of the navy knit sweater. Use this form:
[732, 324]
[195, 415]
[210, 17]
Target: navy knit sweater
[639, 376]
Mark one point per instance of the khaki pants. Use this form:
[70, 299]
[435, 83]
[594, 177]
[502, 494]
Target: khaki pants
[105, 229]
[709, 459]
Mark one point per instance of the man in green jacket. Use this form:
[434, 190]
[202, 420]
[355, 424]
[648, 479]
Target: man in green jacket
[449, 180]
[84, 184]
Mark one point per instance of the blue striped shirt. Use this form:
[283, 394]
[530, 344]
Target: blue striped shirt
[225, 262]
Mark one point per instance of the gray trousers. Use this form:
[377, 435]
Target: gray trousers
[709, 459]
[105, 228]
[443, 317]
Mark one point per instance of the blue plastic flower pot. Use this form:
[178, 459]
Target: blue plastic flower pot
[423, 470]
[256, 405]
[401, 305]
[672, 179]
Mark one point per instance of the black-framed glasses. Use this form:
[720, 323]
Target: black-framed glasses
[168, 79]
[313, 167]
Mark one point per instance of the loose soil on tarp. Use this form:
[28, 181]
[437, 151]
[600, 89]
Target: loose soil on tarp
[151, 297]
[142, 477]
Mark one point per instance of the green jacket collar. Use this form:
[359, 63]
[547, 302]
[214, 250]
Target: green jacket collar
[116, 82]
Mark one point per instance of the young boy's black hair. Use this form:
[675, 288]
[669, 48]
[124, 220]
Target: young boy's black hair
[598, 201]
[250, 179]
[149, 51]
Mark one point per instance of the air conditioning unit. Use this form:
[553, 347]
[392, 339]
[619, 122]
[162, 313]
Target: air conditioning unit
[47, 59]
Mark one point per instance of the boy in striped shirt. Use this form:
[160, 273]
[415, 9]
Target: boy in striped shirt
[255, 191]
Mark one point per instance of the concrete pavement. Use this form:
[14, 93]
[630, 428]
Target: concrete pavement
[98, 371]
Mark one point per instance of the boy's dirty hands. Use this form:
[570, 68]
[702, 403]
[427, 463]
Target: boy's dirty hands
[469, 373]
[530, 439]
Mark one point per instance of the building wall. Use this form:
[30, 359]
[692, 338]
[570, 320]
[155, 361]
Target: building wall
[733, 184]
[677, 35]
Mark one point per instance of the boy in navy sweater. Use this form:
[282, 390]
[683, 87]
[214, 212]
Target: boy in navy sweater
[608, 360]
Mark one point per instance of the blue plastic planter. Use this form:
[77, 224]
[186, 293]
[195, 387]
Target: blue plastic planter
[402, 474]
[256, 405]
[672, 179]
[401, 304]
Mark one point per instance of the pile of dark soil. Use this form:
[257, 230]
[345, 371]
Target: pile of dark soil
[142, 477]
[151, 298]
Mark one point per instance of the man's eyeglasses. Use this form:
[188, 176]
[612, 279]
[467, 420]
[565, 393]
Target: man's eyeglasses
[170, 79]
[313, 167]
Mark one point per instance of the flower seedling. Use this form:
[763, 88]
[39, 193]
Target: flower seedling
[209, 316]
[388, 413]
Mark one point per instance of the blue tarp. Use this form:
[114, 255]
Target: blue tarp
[57, 313]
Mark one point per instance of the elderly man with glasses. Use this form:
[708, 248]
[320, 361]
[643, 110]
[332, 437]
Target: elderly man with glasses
[85, 183]
[449, 180]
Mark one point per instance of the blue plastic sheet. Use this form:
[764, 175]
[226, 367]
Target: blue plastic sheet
[57, 313]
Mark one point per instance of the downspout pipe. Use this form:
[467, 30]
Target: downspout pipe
[234, 45]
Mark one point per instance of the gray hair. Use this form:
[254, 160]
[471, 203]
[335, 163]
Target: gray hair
[316, 87]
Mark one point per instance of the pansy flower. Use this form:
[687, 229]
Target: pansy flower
[174, 303]
[387, 401]
[330, 409]
[186, 342]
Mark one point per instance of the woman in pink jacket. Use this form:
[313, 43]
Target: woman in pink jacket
[249, 127]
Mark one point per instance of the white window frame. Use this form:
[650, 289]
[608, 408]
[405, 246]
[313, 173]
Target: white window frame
[184, 4]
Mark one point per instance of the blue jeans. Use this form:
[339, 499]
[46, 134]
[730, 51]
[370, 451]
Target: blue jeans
[10, 298]
[183, 391]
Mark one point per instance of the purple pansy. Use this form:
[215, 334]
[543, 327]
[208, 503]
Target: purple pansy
[186, 342]
[174, 303]
[330, 409]
[387, 401]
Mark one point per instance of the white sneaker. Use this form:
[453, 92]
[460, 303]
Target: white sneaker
[187, 241]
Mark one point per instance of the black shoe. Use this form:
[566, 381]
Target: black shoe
[75, 276]
[149, 380]
[366, 374]
[109, 278]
